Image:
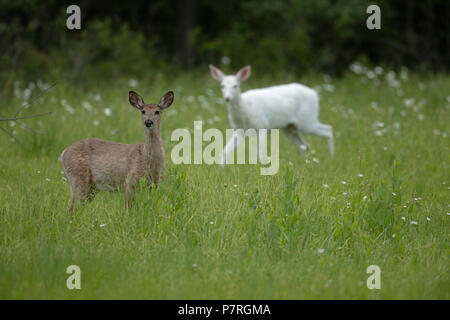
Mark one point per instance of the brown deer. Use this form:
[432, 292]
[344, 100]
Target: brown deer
[91, 164]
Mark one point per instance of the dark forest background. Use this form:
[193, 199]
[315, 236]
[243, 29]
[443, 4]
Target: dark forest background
[123, 38]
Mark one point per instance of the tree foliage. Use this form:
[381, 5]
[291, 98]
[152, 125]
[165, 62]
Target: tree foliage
[297, 36]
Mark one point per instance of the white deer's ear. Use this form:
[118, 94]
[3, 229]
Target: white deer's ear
[216, 73]
[244, 73]
[136, 100]
[166, 100]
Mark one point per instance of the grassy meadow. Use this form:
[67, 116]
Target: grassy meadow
[308, 232]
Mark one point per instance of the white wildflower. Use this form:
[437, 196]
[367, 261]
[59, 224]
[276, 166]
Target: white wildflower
[107, 111]
[27, 94]
[378, 70]
[404, 74]
[409, 102]
[328, 87]
[87, 106]
[133, 83]
[370, 74]
[225, 60]
[69, 109]
[374, 105]
[356, 68]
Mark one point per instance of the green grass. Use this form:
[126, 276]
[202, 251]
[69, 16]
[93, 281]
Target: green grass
[258, 237]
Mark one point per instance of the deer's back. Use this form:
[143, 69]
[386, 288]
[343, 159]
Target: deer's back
[278, 106]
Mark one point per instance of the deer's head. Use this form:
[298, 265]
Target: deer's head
[151, 113]
[230, 84]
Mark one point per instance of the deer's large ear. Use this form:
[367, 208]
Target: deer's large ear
[216, 73]
[136, 100]
[166, 100]
[244, 73]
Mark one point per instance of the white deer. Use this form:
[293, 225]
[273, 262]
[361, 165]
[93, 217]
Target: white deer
[293, 107]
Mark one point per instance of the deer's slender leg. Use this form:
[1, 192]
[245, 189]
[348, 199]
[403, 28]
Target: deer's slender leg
[232, 144]
[293, 134]
[130, 188]
[326, 131]
[82, 192]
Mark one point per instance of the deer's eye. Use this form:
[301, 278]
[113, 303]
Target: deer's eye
[157, 112]
[222, 86]
[143, 111]
[235, 86]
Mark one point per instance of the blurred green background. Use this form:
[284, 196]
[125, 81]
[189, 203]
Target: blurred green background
[143, 37]
[308, 232]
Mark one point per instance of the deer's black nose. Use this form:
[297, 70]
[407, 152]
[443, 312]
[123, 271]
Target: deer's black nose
[148, 123]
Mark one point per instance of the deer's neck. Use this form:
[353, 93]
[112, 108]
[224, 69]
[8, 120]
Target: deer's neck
[154, 153]
[235, 104]
[237, 113]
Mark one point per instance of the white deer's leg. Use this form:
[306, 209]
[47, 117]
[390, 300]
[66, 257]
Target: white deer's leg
[293, 134]
[232, 144]
[326, 131]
